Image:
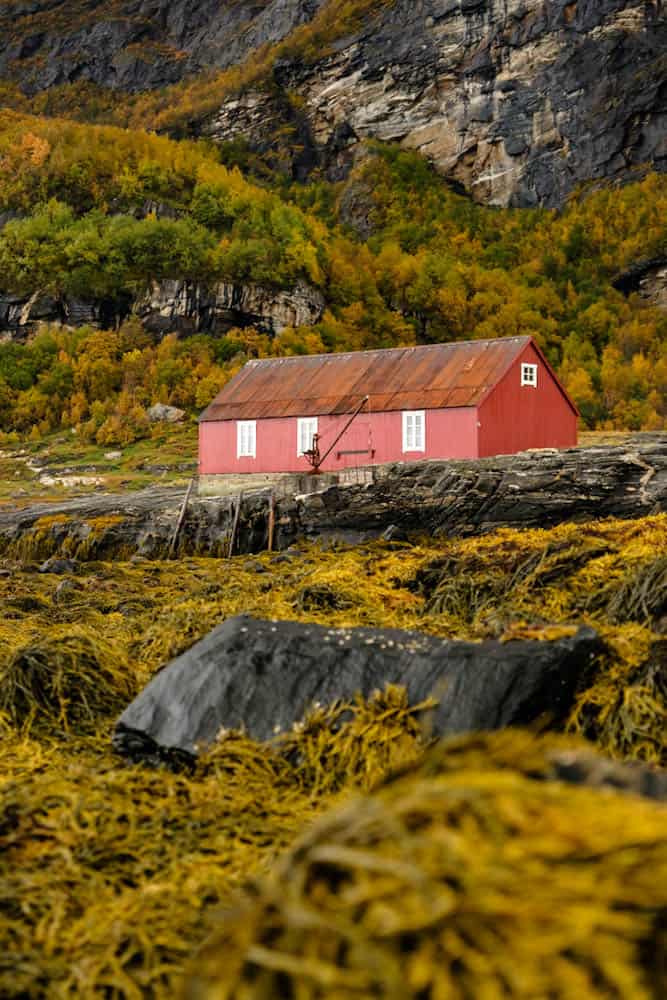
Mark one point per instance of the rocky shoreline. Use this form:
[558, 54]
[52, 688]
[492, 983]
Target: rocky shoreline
[438, 499]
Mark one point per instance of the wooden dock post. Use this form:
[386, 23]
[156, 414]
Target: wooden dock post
[235, 524]
[272, 520]
[181, 518]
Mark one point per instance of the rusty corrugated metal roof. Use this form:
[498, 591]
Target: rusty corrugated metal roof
[434, 376]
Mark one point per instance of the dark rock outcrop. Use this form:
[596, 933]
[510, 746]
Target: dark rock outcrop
[172, 306]
[20, 315]
[518, 101]
[528, 490]
[190, 307]
[58, 566]
[648, 278]
[263, 677]
[532, 489]
[136, 44]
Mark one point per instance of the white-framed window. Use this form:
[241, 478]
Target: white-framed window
[529, 375]
[246, 439]
[414, 426]
[306, 429]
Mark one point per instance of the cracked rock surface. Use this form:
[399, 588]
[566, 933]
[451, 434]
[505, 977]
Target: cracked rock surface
[528, 490]
[441, 499]
[518, 101]
[136, 45]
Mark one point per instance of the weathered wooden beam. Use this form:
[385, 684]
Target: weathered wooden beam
[181, 518]
[235, 525]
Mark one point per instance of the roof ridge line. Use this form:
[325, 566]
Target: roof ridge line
[387, 350]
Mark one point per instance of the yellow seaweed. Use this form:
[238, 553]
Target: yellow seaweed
[112, 875]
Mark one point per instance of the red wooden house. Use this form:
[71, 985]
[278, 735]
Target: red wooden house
[457, 400]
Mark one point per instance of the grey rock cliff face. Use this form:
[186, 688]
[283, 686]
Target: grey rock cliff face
[518, 101]
[190, 307]
[21, 315]
[648, 278]
[172, 305]
[136, 44]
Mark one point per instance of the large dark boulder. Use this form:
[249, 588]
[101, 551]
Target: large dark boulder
[263, 676]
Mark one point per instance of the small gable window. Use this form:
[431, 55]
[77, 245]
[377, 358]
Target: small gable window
[306, 431]
[246, 439]
[414, 437]
[529, 375]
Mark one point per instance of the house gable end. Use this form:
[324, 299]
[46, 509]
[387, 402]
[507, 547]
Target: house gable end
[518, 414]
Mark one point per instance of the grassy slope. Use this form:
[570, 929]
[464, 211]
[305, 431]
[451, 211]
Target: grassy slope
[167, 457]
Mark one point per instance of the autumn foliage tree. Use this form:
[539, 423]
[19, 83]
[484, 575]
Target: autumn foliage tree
[99, 213]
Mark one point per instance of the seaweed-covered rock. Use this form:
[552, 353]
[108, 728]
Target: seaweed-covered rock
[58, 566]
[66, 680]
[263, 676]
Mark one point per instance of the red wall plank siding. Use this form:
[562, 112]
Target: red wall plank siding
[450, 433]
[515, 417]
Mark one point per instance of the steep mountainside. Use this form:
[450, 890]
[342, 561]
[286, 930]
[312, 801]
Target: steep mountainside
[101, 222]
[517, 100]
[140, 235]
[136, 44]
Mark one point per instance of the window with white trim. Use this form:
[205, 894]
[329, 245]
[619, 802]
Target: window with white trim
[246, 437]
[305, 432]
[414, 424]
[529, 375]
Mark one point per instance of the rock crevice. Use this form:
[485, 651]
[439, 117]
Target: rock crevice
[518, 101]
